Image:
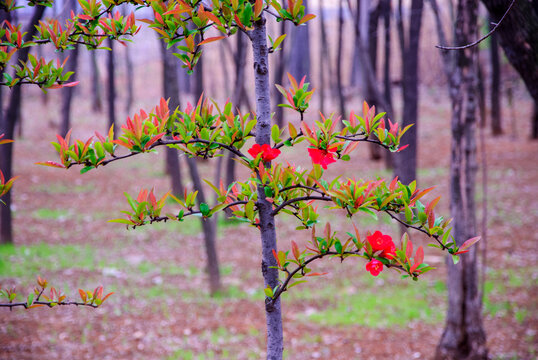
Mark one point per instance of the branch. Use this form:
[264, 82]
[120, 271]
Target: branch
[417, 228]
[50, 304]
[482, 38]
[284, 286]
[302, 198]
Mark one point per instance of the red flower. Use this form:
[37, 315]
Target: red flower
[378, 241]
[321, 156]
[267, 152]
[374, 267]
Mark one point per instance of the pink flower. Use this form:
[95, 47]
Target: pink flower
[374, 267]
[321, 156]
[268, 153]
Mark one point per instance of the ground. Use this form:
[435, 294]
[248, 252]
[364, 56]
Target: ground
[161, 309]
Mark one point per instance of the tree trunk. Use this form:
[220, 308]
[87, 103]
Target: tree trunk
[279, 78]
[496, 115]
[518, 35]
[405, 163]
[273, 313]
[111, 87]
[299, 62]
[340, 86]
[463, 336]
[72, 63]
[97, 102]
[373, 22]
[171, 92]
[385, 8]
[324, 66]
[240, 63]
[8, 129]
[209, 228]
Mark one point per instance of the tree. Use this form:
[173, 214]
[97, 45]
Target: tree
[464, 336]
[273, 187]
[405, 164]
[518, 35]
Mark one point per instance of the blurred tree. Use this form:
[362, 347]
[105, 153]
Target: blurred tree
[405, 163]
[7, 127]
[464, 336]
[339, 42]
[299, 51]
[111, 86]
[97, 101]
[68, 92]
[496, 115]
[518, 35]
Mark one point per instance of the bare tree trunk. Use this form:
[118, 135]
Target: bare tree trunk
[279, 78]
[496, 115]
[299, 62]
[237, 97]
[209, 226]
[385, 8]
[209, 229]
[171, 92]
[97, 102]
[325, 66]
[68, 93]
[340, 86]
[8, 129]
[373, 22]
[518, 35]
[129, 70]
[273, 312]
[463, 336]
[111, 86]
[405, 163]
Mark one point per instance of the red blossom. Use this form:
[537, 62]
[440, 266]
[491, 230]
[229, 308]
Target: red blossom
[374, 267]
[322, 157]
[267, 152]
[384, 243]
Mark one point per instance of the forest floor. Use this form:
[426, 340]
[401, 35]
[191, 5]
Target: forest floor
[161, 308]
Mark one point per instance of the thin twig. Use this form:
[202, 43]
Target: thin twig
[482, 38]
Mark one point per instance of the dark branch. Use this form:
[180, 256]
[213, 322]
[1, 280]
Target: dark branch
[482, 38]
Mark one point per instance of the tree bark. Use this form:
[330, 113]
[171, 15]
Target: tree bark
[405, 163]
[279, 78]
[518, 35]
[340, 86]
[267, 229]
[8, 129]
[97, 102]
[325, 66]
[111, 87]
[463, 336]
[209, 227]
[496, 115]
[386, 10]
[171, 92]
[299, 61]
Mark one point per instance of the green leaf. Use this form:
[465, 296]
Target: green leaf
[455, 259]
[275, 133]
[268, 292]
[204, 209]
[30, 300]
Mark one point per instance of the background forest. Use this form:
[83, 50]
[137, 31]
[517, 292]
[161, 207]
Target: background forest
[168, 303]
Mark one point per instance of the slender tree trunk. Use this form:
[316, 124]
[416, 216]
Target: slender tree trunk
[370, 96]
[129, 70]
[405, 163]
[68, 93]
[111, 87]
[240, 62]
[325, 65]
[518, 35]
[279, 78]
[273, 313]
[171, 92]
[463, 336]
[209, 228]
[496, 115]
[299, 62]
[8, 129]
[340, 86]
[385, 8]
[97, 102]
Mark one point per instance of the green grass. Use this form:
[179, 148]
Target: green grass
[51, 214]
[27, 261]
[372, 305]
